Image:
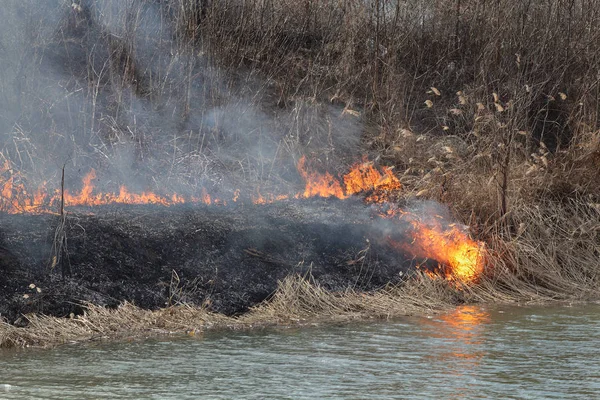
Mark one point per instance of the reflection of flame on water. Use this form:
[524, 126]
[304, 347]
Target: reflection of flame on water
[465, 327]
[463, 338]
[465, 323]
[461, 344]
[460, 258]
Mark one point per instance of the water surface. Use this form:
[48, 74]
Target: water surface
[472, 352]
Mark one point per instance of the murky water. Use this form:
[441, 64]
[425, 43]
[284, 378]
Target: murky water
[473, 352]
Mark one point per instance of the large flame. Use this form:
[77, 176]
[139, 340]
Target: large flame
[460, 258]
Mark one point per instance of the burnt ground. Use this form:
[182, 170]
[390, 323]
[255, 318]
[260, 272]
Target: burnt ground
[227, 257]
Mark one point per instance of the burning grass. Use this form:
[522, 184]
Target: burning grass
[517, 270]
[491, 109]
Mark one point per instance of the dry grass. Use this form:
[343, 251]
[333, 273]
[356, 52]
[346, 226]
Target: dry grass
[102, 323]
[298, 300]
[489, 107]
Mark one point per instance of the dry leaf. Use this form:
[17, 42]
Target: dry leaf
[496, 98]
[429, 103]
[531, 170]
[455, 111]
[480, 107]
[351, 112]
[521, 229]
[499, 107]
[437, 92]
[445, 127]
[421, 192]
[32, 286]
[462, 100]
[524, 133]
[25, 296]
[562, 96]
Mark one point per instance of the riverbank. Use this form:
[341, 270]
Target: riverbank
[298, 301]
[478, 107]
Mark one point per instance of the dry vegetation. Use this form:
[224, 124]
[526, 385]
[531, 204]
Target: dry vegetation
[488, 106]
[491, 107]
[298, 301]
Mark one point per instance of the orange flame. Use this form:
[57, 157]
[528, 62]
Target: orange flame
[453, 248]
[461, 258]
[319, 185]
[362, 178]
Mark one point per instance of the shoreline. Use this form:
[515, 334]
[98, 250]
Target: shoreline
[298, 302]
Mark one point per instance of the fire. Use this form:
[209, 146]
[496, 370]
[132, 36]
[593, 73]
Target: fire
[362, 178]
[87, 197]
[461, 258]
[319, 185]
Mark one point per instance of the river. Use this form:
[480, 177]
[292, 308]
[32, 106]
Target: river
[472, 352]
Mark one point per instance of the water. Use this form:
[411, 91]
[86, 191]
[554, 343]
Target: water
[473, 352]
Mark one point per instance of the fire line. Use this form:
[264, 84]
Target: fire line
[460, 258]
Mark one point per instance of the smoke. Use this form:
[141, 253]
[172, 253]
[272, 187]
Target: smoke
[116, 86]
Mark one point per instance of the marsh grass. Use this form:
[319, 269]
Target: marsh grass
[297, 301]
[488, 107]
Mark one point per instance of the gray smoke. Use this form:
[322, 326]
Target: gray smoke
[111, 85]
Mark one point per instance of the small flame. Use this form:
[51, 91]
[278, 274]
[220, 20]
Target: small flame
[319, 185]
[362, 178]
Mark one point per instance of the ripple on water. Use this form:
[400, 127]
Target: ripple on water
[510, 352]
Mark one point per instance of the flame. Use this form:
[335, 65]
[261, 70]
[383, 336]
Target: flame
[319, 185]
[86, 197]
[362, 178]
[461, 258]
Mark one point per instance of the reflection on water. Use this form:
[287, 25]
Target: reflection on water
[465, 329]
[471, 352]
[461, 337]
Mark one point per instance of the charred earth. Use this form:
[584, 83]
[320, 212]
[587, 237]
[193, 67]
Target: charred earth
[227, 258]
